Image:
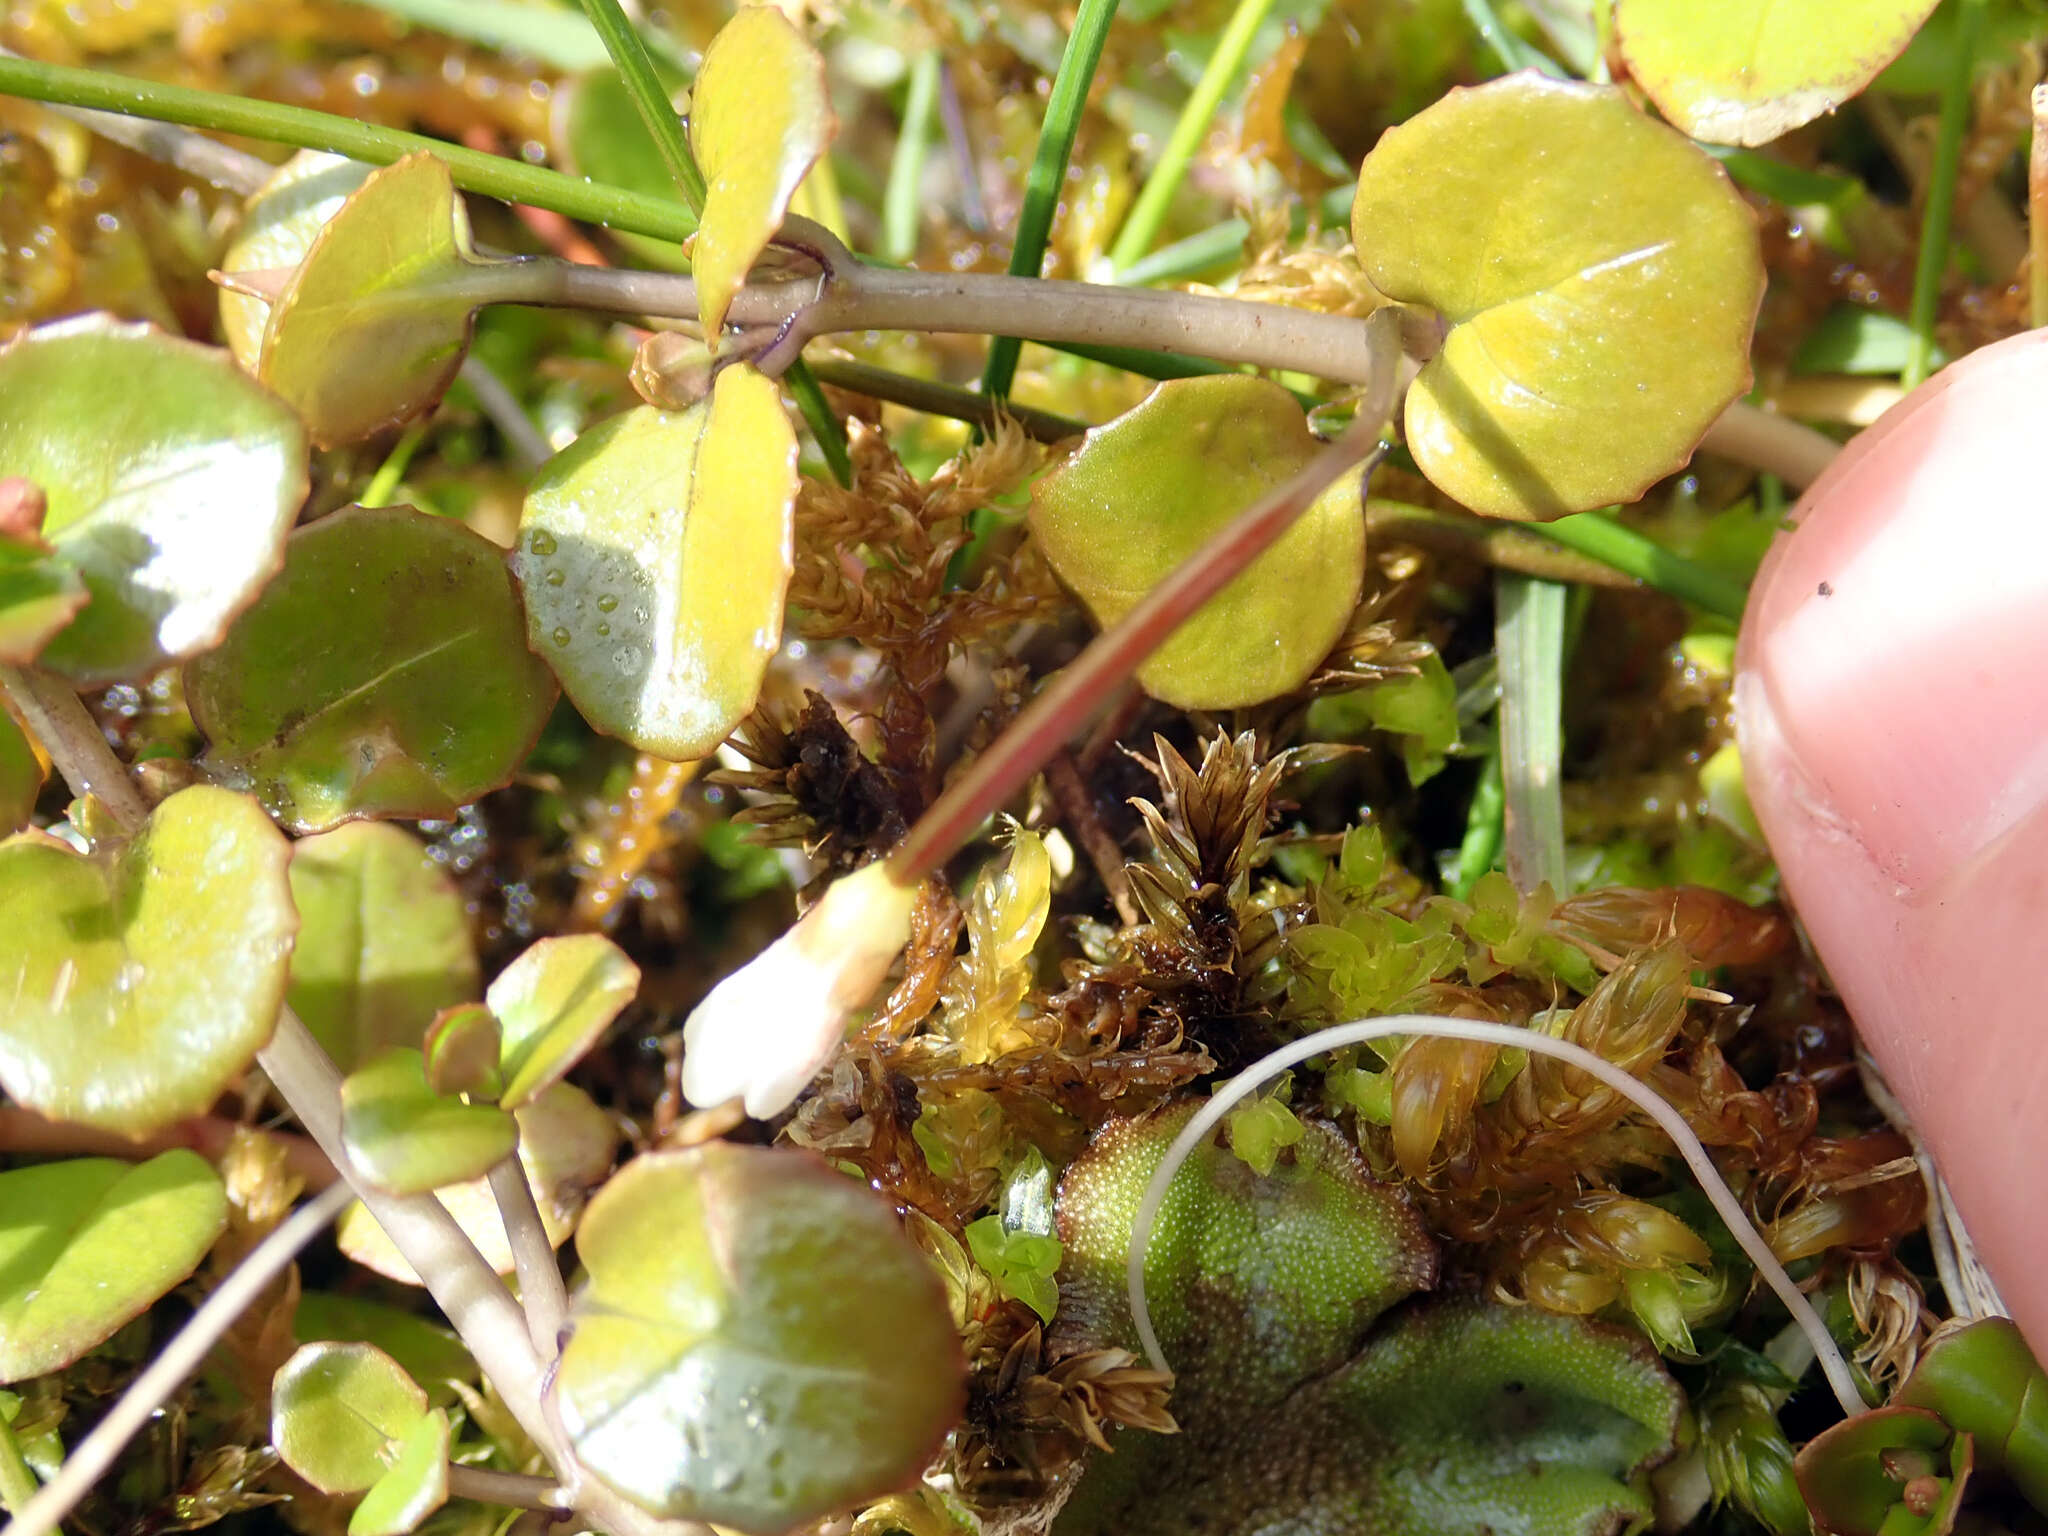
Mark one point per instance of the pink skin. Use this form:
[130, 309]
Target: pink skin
[1892, 707]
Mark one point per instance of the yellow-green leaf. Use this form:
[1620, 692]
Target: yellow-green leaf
[413, 1487]
[759, 119]
[279, 225]
[654, 552]
[553, 1003]
[408, 1139]
[145, 979]
[1601, 278]
[338, 1413]
[1748, 71]
[373, 325]
[1150, 488]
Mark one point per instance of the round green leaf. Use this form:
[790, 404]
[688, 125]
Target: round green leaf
[759, 1343]
[279, 226]
[654, 552]
[754, 145]
[407, 1139]
[39, 594]
[338, 1413]
[384, 673]
[553, 1003]
[429, 1353]
[1150, 488]
[373, 324]
[1749, 71]
[172, 481]
[1600, 276]
[384, 941]
[415, 1485]
[566, 1145]
[146, 978]
[90, 1243]
[462, 1046]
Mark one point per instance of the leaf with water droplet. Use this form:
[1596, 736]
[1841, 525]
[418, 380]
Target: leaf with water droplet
[384, 673]
[338, 1413]
[1271, 1295]
[1149, 489]
[1600, 276]
[279, 225]
[687, 518]
[566, 1145]
[146, 977]
[408, 1139]
[171, 482]
[553, 1003]
[754, 144]
[730, 1324]
[384, 940]
[90, 1243]
[1749, 71]
[375, 321]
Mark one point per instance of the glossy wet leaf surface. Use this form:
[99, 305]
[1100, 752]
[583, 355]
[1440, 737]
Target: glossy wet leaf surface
[370, 330]
[408, 1139]
[654, 553]
[89, 1243]
[552, 1004]
[1749, 71]
[39, 594]
[338, 1411]
[730, 1326]
[415, 1485]
[384, 673]
[279, 226]
[1600, 277]
[384, 942]
[566, 1145]
[146, 980]
[754, 144]
[172, 481]
[1271, 1298]
[1149, 489]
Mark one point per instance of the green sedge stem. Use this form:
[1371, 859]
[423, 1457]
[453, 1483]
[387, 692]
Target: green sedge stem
[384, 483]
[902, 202]
[1937, 216]
[636, 69]
[1049, 170]
[1221, 243]
[1598, 535]
[1529, 639]
[1484, 822]
[1141, 228]
[1511, 50]
[490, 175]
[949, 400]
[819, 416]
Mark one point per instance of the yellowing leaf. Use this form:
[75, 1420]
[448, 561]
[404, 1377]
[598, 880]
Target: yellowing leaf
[654, 552]
[374, 324]
[279, 226]
[759, 119]
[1600, 276]
[1150, 488]
[1747, 71]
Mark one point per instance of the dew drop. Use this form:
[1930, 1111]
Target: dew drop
[556, 578]
[639, 615]
[542, 543]
[603, 630]
[607, 603]
[560, 637]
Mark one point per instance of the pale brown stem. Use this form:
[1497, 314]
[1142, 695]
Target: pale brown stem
[514, 1490]
[58, 718]
[541, 1292]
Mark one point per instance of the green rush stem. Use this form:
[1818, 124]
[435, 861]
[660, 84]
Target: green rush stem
[17, 1482]
[490, 175]
[1513, 53]
[1529, 638]
[902, 202]
[1049, 170]
[1141, 227]
[1937, 216]
[826, 426]
[1480, 849]
[384, 483]
[1212, 247]
[1066, 704]
[1599, 536]
[949, 400]
[636, 69]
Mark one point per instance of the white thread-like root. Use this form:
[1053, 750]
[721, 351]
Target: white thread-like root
[1359, 1032]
